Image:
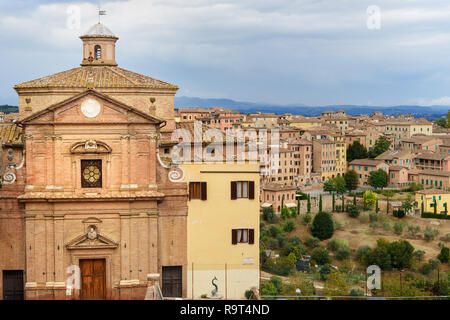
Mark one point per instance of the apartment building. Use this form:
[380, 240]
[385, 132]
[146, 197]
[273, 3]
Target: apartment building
[427, 160]
[273, 193]
[363, 167]
[401, 157]
[324, 158]
[434, 178]
[223, 228]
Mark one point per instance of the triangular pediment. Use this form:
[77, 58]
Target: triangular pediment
[87, 241]
[90, 106]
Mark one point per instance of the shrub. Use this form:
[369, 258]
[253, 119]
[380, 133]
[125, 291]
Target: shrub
[444, 255]
[434, 263]
[322, 226]
[268, 214]
[413, 230]
[249, 295]
[356, 292]
[297, 250]
[386, 225]
[312, 242]
[426, 269]
[400, 213]
[364, 218]
[333, 245]
[324, 271]
[306, 219]
[338, 225]
[369, 198]
[373, 217]
[374, 225]
[289, 226]
[343, 253]
[361, 251]
[430, 234]
[269, 289]
[320, 256]
[353, 211]
[282, 240]
[274, 230]
[398, 228]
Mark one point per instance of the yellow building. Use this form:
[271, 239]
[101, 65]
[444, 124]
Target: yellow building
[429, 196]
[341, 154]
[223, 228]
[304, 123]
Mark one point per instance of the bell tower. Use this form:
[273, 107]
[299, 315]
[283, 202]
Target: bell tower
[99, 46]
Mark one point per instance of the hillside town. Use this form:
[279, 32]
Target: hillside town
[314, 149]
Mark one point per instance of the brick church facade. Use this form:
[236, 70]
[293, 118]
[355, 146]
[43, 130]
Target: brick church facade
[84, 189]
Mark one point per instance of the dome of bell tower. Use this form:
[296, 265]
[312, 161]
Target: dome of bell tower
[99, 46]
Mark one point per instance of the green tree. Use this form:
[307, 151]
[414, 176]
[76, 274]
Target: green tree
[308, 204]
[388, 194]
[407, 204]
[322, 226]
[298, 206]
[378, 179]
[320, 256]
[369, 198]
[419, 254]
[320, 203]
[268, 214]
[336, 284]
[377, 208]
[381, 145]
[329, 186]
[444, 255]
[351, 180]
[340, 185]
[356, 151]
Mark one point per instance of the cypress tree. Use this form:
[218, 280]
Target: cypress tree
[298, 206]
[435, 206]
[422, 207]
[308, 204]
[354, 199]
[343, 203]
[320, 203]
[376, 207]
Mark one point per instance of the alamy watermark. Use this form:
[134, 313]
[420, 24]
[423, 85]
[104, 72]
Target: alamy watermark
[373, 17]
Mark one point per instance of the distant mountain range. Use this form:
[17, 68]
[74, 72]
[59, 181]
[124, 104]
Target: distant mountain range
[428, 112]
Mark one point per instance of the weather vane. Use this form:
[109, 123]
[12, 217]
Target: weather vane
[100, 13]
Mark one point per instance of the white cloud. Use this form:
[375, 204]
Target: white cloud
[310, 51]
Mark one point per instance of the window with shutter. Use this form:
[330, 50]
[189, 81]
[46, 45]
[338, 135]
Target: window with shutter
[233, 190]
[234, 236]
[203, 191]
[251, 190]
[195, 190]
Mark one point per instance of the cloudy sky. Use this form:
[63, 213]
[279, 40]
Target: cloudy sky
[315, 52]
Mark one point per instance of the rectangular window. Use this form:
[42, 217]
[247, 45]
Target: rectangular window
[91, 173]
[243, 189]
[197, 190]
[243, 236]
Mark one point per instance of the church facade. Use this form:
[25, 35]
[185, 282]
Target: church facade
[84, 189]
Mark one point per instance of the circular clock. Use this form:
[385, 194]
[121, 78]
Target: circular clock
[90, 108]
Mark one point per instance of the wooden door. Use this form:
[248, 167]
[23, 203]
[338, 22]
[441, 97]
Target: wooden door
[93, 279]
[172, 283]
[12, 285]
